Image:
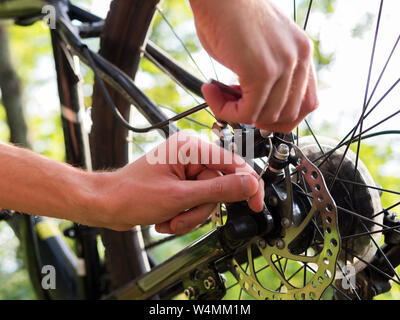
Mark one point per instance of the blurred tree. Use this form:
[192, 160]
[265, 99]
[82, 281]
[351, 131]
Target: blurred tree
[11, 93]
[15, 281]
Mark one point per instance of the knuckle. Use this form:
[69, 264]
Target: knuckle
[269, 70]
[290, 59]
[176, 193]
[248, 117]
[314, 106]
[216, 188]
[289, 118]
[273, 118]
[305, 47]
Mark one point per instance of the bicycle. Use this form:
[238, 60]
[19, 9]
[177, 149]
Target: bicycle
[322, 234]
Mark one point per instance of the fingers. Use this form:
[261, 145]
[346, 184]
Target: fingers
[243, 110]
[228, 188]
[256, 202]
[308, 103]
[196, 154]
[187, 221]
[219, 189]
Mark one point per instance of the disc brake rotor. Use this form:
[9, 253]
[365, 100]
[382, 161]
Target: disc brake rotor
[269, 270]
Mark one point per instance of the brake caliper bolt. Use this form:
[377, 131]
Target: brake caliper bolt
[280, 244]
[265, 133]
[190, 292]
[282, 152]
[285, 223]
[262, 244]
[209, 283]
[273, 201]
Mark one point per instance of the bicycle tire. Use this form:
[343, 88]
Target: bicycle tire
[124, 32]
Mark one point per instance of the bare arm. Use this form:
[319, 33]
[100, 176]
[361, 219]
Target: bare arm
[35, 184]
[176, 196]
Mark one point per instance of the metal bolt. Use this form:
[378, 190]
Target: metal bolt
[190, 292]
[197, 274]
[262, 244]
[280, 244]
[282, 152]
[209, 283]
[285, 222]
[273, 201]
[265, 133]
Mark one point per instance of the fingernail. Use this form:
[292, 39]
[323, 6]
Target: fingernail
[246, 185]
[162, 229]
[180, 226]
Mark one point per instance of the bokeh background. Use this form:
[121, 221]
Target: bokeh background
[342, 33]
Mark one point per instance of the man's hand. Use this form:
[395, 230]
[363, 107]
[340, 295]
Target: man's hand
[176, 186]
[270, 54]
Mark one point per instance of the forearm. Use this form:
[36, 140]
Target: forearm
[34, 184]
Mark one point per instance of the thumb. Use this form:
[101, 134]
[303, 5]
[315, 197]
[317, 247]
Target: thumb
[223, 105]
[228, 188]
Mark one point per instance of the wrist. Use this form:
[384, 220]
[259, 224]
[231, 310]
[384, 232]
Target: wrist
[95, 199]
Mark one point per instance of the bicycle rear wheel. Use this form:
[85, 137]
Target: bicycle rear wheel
[124, 34]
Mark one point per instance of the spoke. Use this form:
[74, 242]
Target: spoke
[367, 88]
[181, 41]
[344, 141]
[290, 278]
[370, 232]
[231, 286]
[382, 98]
[188, 118]
[383, 71]
[348, 281]
[382, 253]
[281, 268]
[374, 267]
[323, 153]
[332, 285]
[356, 214]
[322, 235]
[308, 14]
[363, 185]
[366, 219]
[386, 209]
[213, 67]
[344, 274]
[294, 11]
[341, 144]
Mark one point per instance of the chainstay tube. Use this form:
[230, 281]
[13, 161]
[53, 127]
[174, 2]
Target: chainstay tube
[210, 247]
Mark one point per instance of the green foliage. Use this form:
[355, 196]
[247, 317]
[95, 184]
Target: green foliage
[14, 278]
[31, 46]
[362, 26]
